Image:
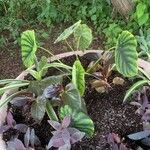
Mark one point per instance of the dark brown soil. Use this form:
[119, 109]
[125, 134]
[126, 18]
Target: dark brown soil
[107, 112]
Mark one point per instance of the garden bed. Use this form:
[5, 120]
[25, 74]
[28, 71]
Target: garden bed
[106, 110]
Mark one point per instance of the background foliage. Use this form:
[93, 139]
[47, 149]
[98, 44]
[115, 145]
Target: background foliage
[15, 15]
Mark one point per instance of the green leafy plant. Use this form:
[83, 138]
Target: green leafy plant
[126, 55]
[144, 43]
[80, 120]
[141, 14]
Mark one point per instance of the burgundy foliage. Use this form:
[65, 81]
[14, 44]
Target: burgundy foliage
[143, 103]
[115, 142]
[64, 135]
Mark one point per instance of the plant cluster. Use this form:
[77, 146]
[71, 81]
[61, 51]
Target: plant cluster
[42, 94]
[115, 142]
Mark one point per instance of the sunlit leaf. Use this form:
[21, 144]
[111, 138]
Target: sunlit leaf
[126, 55]
[67, 32]
[83, 36]
[118, 81]
[78, 74]
[28, 47]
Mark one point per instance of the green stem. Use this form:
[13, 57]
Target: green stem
[69, 45]
[111, 48]
[50, 111]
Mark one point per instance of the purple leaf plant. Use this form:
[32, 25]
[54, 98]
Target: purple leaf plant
[29, 139]
[11, 124]
[115, 142]
[64, 135]
[143, 103]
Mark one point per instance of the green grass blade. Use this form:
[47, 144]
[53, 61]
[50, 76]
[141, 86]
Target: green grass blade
[135, 86]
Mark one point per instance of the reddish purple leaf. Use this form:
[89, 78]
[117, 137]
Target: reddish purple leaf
[56, 125]
[66, 122]
[122, 147]
[21, 127]
[10, 119]
[15, 144]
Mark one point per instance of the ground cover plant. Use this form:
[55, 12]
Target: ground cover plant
[65, 102]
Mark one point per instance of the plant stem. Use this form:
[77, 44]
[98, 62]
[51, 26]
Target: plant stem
[111, 48]
[50, 111]
[69, 45]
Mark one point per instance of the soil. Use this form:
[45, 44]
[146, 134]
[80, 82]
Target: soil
[107, 112]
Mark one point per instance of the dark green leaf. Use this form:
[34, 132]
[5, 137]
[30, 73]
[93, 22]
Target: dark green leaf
[126, 55]
[38, 87]
[71, 97]
[38, 111]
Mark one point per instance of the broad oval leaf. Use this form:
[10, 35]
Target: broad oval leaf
[67, 32]
[79, 120]
[38, 111]
[78, 74]
[71, 97]
[83, 36]
[126, 55]
[139, 135]
[28, 47]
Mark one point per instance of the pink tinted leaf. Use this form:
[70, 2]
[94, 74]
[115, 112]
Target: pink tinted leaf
[21, 127]
[66, 136]
[77, 137]
[116, 138]
[146, 115]
[115, 147]
[56, 141]
[56, 125]
[122, 147]
[27, 138]
[15, 144]
[66, 122]
[4, 129]
[110, 138]
[10, 119]
[65, 147]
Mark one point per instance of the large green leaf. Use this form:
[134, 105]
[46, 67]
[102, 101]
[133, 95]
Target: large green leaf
[67, 32]
[126, 55]
[79, 120]
[28, 47]
[71, 97]
[78, 74]
[134, 87]
[38, 87]
[83, 36]
[38, 110]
